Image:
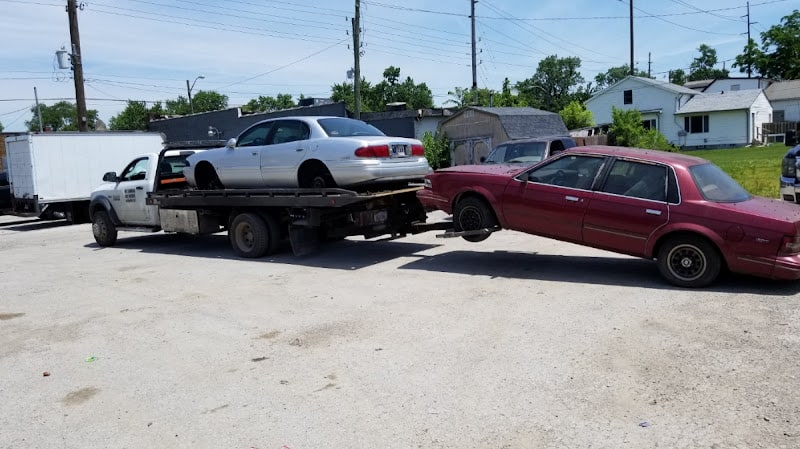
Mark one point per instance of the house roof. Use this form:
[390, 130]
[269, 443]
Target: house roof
[783, 90]
[523, 122]
[698, 85]
[650, 82]
[721, 101]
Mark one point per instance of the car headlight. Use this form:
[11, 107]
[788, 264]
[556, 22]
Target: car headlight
[427, 183]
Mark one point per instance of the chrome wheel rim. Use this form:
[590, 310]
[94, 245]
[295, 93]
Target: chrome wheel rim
[687, 262]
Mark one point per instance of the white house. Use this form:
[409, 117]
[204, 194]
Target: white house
[686, 117]
[723, 119]
[729, 84]
[785, 99]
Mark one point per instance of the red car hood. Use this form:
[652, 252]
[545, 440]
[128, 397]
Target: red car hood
[768, 208]
[493, 169]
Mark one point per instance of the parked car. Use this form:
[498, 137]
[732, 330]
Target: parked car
[318, 152]
[683, 211]
[5, 191]
[528, 151]
[790, 175]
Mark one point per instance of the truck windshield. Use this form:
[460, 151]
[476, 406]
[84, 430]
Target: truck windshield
[514, 153]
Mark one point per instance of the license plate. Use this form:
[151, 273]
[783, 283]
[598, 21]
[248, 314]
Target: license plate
[400, 151]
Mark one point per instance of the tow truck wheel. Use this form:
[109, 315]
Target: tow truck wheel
[105, 233]
[472, 214]
[252, 236]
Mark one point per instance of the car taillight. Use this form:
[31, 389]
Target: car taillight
[417, 150]
[790, 245]
[789, 167]
[373, 151]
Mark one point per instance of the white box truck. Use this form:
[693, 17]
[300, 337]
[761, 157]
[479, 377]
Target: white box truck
[52, 175]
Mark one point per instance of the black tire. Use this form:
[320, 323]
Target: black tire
[471, 214]
[103, 229]
[689, 261]
[317, 177]
[253, 236]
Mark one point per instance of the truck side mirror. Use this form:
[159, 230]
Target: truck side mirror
[231, 143]
[110, 177]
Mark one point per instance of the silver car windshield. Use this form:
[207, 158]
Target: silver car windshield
[523, 152]
[715, 185]
[345, 127]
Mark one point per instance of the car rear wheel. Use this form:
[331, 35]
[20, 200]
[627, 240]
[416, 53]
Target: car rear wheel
[103, 229]
[317, 177]
[253, 236]
[472, 214]
[689, 261]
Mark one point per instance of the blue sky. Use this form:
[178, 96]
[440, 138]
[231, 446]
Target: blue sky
[147, 49]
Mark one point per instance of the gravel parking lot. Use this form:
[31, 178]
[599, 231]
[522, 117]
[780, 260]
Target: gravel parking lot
[517, 342]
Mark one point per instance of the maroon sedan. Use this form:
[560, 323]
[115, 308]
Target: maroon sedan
[683, 211]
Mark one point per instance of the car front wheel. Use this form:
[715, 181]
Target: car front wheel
[472, 214]
[689, 261]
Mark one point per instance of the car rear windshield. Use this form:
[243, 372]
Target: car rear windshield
[715, 185]
[523, 152]
[345, 127]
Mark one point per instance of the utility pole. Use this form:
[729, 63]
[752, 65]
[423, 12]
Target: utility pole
[631, 11]
[474, 55]
[357, 63]
[38, 109]
[749, 55]
[649, 65]
[77, 65]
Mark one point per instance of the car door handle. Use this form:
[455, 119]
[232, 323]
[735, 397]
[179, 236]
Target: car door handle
[139, 188]
[574, 199]
[299, 149]
[652, 212]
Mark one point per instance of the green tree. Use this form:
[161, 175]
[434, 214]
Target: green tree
[627, 130]
[749, 60]
[552, 86]
[437, 149]
[575, 115]
[615, 74]
[462, 97]
[779, 55]
[135, 116]
[1, 127]
[677, 76]
[345, 92]
[202, 101]
[391, 90]
[507, 98]
[61, 116]
[268, 103]
[702, 68]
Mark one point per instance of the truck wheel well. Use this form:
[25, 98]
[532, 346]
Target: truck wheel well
[666, 237]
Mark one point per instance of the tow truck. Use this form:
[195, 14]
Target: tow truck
[151, 195]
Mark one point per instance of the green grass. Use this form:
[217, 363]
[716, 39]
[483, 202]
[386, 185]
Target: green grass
[757, 169]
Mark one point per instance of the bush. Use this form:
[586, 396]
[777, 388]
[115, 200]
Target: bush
[628, 131]
[437, 150]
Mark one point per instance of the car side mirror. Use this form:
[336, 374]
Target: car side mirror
[231, 143]
[110, 177]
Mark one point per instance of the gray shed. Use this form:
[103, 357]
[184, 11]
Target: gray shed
[474, 131]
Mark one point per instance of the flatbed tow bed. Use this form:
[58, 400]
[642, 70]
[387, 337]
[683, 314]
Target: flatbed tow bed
[307, 217]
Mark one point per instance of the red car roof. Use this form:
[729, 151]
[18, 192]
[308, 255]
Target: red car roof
[638, 153]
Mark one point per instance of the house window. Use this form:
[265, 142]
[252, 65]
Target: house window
[695, 124]
[649, 124]
[779, 116]
[627, 97]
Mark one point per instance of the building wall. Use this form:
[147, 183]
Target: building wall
[725, 128]
[727, 85]
[790, 108]
[472, 135]
[760, 113]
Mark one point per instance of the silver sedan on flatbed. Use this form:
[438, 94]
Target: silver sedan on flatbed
[309, 152]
